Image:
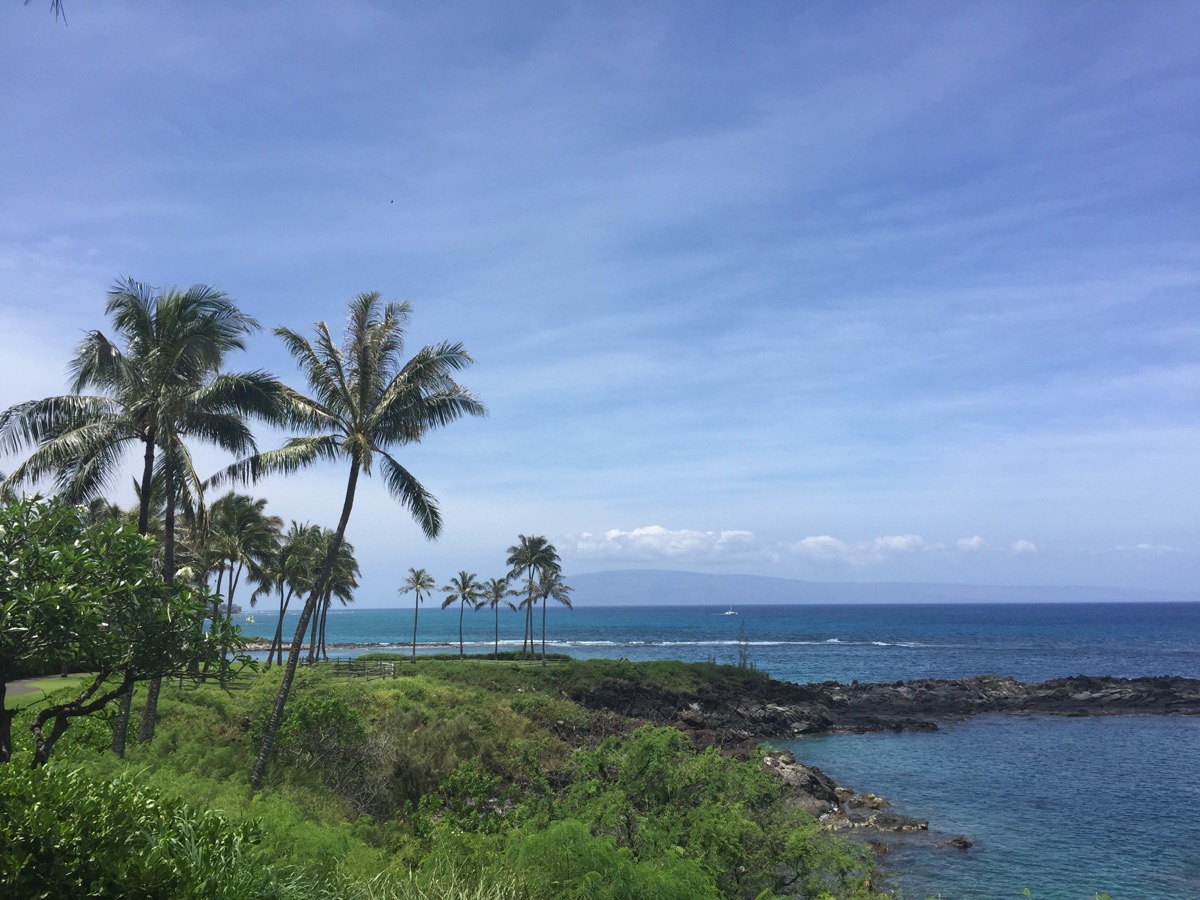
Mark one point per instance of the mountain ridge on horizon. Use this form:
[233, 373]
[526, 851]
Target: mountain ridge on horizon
[668, 587]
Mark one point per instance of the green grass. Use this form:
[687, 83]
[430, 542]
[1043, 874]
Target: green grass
[41, 687]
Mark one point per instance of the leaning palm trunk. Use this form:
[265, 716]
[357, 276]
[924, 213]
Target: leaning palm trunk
[289, 673]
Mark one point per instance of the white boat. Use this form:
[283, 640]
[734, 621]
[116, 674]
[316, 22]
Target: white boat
[729, 612]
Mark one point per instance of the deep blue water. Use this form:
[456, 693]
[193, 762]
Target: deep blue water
[1064, 807]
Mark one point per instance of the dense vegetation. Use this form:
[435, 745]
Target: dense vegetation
[454, 779]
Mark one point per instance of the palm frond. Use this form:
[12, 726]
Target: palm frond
[294, 455]
[412, 495]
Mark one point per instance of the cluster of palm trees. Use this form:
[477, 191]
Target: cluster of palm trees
[159, 384]
[533, 559]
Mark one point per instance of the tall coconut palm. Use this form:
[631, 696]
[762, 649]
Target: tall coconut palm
[465, 590]
[157, 383]
[420, 583]
[496, 592]
[366, 400]
[552, 587]
[532, 557]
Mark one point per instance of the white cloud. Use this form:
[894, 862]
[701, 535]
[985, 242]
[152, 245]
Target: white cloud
[1023, 546]
[1145, 548]
[970, 544]
[825, 548]
[652, 542]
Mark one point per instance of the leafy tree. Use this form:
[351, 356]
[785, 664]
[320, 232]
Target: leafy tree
[419, 583]
[365, 402]
[465, 590]
[157, 383]
[496, 593]
[94, 593]
[535, 558]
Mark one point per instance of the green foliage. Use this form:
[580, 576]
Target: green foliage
[654, 794]
[565, 860]
[65, 834]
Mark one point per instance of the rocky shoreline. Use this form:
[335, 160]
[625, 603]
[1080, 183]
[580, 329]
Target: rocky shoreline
[766, 708]
[737, 718]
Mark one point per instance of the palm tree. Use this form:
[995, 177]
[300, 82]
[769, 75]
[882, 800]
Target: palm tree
[341, 584]
[156, 384]
[496, 592]
[465, 590]
[552, 587]
[293, 570]
[165, 385]
[241, 538]
[365, 401]
[534, 557]
[420, 583]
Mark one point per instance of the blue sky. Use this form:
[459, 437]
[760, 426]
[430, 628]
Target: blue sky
[828, 291]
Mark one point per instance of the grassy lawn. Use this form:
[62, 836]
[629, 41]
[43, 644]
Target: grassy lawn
[41, 687]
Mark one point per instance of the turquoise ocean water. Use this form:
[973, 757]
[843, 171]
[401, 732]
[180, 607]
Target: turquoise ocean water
[1064, 807]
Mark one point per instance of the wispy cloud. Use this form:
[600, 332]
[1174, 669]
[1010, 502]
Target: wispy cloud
[654, 542]
[1145, 549]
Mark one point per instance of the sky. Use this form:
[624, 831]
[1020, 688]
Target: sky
[829, 291]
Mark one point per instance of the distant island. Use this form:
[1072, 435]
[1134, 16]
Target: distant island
[661, 587]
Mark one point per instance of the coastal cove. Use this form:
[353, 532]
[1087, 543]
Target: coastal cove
[1032, 793]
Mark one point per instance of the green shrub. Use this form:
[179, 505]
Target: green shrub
[64, 834]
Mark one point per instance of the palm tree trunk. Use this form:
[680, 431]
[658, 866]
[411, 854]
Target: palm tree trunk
[259, 771]
[496, 607]
[529, 623]
[277, 641]
[321, 651]
[150, 712]
[312, 637]
[147, 477]
[545, 603]
[416, 612]
[462, 607]
[216, 613]
[121, 725]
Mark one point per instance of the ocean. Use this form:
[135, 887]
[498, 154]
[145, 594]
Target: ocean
[1063, 807]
